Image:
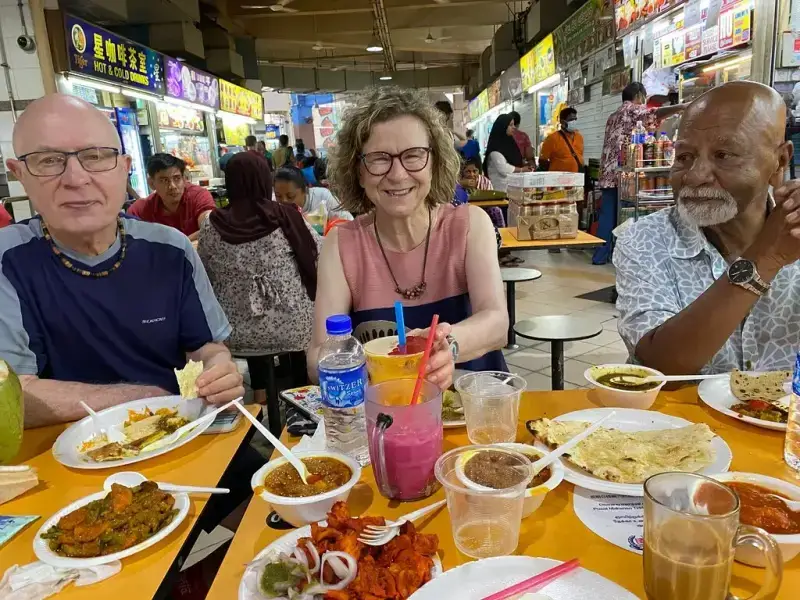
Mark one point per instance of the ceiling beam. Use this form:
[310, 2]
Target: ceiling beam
[327, 7]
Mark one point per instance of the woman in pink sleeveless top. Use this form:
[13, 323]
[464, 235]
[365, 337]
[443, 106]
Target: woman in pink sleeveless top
[395, 164]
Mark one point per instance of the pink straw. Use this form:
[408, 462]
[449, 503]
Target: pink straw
[424, 362]
[537, 582]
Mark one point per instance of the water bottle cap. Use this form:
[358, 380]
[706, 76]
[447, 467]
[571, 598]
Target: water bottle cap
[338, 325]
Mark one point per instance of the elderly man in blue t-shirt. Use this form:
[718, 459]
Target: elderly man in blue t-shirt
[96, 306]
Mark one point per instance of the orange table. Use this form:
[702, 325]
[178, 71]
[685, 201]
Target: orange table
[553, 531]
[200, 462]
[510, 241]
[489, 203]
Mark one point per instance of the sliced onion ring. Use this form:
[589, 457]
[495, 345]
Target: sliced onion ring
[347, 572]
[314, 555]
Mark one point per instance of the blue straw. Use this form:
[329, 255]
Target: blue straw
[401, 322]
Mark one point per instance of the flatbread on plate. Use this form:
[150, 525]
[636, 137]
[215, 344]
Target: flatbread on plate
[187, 378]
[768, 386]
[631, 457]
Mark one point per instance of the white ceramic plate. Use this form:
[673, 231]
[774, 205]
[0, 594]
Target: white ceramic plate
[43, 552]
[286, 545]
[456, 422]
[476, 580]
[631, 419]
[718, 395]
[66, 447]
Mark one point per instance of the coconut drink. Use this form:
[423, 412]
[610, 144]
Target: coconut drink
[11, 413]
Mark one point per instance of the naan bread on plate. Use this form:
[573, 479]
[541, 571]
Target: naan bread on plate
[768, 386]
[630, 457]
[187, 378]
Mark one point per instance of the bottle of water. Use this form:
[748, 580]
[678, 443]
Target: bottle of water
[791, 449]
[343, 385]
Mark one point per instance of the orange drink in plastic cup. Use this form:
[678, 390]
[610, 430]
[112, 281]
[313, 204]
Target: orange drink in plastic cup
[385, 362]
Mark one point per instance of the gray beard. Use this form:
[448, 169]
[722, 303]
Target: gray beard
[706, 208]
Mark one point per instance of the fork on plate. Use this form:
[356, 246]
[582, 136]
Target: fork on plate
[378, 535]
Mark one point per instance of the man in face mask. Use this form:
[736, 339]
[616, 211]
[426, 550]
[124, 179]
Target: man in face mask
[562, 150]
[712, 284]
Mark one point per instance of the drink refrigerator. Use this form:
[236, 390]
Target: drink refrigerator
[128, 128]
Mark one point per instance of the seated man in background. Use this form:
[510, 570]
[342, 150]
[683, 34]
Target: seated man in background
[94, 306]
[713, 283]
[175, 202]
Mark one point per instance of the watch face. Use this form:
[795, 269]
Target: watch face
[741, 271]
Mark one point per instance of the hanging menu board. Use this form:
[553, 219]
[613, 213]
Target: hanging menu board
[545, 65]
[527, 66]
[187, 83]
[240, 101]
[99, 53]
[582, 34]
[632, 14]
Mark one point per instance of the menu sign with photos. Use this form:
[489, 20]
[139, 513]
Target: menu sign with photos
[630, 14]
[583, 33]
[240, 101]
[527, 65]
[544, 56]
[190, 84]
[178, 117]
[99, 53]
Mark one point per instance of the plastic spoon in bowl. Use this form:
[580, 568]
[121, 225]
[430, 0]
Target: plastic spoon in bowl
[631, 379]
[792, 504]
[547, 459]
[132, 479]
[112, 434]
[287, 454]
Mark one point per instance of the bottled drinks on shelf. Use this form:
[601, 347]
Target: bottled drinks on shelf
[667, 150]
[650, 150]
[636, 149]
[791, 450]
[343, 383]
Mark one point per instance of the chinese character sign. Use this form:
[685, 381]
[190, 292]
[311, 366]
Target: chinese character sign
[187, 83]
[99, 53]
[240, 101]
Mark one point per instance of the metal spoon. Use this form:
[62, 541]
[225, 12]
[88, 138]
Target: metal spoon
[132, 479]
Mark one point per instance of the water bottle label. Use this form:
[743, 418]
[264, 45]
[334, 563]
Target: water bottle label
[343, 388]
[796, 378]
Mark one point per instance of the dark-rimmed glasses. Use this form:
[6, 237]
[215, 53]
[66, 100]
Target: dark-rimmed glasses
[54, 162]
[412, 159]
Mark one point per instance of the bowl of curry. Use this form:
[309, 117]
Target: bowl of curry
[543, 482]
[608, 392]
[759, 509]
[332, 477]
[109, 526]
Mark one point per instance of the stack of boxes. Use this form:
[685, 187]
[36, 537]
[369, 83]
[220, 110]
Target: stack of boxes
[543, 206]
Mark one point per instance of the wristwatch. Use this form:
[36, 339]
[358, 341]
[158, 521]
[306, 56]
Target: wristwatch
[453, 347]
[743, 273]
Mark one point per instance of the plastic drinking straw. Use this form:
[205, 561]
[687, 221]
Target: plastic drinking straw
[537, 582]
[401, 324]
[424, 362]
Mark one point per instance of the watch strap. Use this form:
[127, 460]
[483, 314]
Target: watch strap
[756, 284]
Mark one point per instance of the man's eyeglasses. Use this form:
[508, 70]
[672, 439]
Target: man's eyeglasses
[412, 159]
[53, 162]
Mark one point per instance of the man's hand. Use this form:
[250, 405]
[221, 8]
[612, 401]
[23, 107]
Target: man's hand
[221, 381]
[778, 243]
[440, 364]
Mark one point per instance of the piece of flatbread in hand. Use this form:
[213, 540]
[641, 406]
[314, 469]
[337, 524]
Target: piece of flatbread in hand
[631, 457]
[187, 378]
[768, 386]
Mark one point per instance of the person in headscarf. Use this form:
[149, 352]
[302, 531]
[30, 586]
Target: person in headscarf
[261, 259]
[502, 153]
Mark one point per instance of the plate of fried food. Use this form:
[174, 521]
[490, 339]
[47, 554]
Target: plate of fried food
[326, 560]
[758, 398]
[109, 526]
[630, 447]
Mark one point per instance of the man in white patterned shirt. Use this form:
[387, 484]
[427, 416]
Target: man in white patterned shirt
[713, 283]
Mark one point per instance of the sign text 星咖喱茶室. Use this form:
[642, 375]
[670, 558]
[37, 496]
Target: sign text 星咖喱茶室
[240, 101]
[99, 53]
[190, 84]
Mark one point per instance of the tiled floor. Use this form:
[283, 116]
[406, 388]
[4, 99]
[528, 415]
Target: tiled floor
[565, 276]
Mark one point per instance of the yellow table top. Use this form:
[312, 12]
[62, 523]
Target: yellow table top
[510, 241]
[554, 531]
[489, 203]
[200, 462]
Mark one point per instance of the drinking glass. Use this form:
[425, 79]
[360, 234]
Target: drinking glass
[491, 405]
[404, 440]
[691, 532]
[485, 521]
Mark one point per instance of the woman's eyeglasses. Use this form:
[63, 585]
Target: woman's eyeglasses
[53, 162]
[412, 159]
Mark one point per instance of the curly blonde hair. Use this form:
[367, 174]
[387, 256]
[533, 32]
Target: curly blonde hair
[378, 105]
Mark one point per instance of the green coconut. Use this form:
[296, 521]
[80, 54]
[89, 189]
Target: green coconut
[11, 413]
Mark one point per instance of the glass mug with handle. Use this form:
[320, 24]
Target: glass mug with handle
[691, 532]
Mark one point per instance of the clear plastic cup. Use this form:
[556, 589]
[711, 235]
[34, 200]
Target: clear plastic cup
[491, 405]
[485, 521]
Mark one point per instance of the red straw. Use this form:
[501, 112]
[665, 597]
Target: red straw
[534, 584]
[424, 362]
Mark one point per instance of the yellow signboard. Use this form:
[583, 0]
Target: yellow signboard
[527, 66]
[483, 102]
[240, 101]
[545, 60]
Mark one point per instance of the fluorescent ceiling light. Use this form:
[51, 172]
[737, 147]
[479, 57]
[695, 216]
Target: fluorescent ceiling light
[139, 95]
[105, 87]
[385, 77]
[727, 63]
[550, 81]
[186, 104]
[374, 44]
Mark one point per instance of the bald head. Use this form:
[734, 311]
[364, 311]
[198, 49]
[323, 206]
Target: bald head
[753, 106]
[58, 121]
